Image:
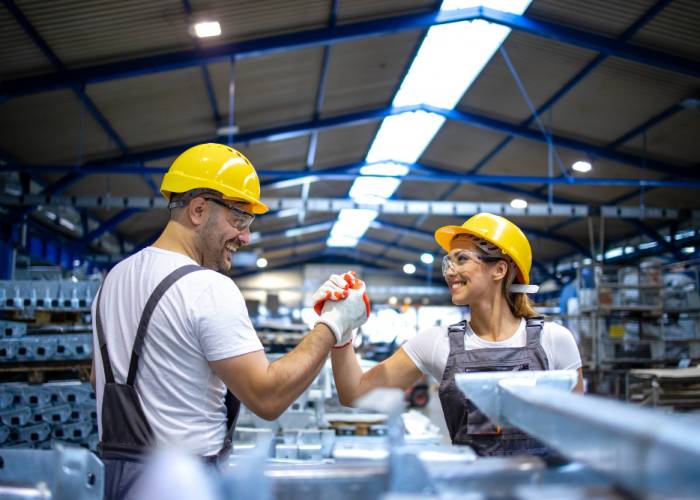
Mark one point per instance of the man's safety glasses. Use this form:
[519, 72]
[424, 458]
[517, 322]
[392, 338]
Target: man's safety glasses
[459, 260]
[241, 220]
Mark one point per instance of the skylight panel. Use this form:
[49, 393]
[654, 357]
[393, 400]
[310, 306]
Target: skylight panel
[448, 61]
[373, 190]
[404, 137]
[385, 168]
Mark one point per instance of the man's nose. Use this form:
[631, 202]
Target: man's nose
[244, 236]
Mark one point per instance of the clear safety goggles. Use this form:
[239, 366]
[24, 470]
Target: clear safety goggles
[240, 219]
[461, 259]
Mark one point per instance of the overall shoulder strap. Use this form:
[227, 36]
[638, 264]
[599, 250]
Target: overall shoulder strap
[533, 328]
[456, 334]
[151, 304]
[109, 374]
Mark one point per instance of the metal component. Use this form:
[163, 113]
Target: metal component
[61, 474]
[645, 451]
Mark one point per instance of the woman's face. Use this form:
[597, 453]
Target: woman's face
[467, 276]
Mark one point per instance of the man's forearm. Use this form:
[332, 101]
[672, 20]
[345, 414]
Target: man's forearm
[293, 373]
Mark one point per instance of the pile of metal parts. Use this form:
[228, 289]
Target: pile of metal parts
[44, 344]
[47, 295]
[43, 416]
[677, 388]
[618, 451]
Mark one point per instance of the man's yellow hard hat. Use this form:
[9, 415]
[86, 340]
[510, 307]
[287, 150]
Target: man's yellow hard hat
[217, 167]
[498, 231]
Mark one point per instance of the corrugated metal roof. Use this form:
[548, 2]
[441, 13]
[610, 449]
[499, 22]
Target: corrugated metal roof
[365, 73]
[18, 55]
[270, 90]
[344, 145]
[596, 16]
[674, 30]
[49, 128]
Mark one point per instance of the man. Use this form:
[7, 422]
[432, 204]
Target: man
[172, 334]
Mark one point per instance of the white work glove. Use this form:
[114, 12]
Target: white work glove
[343, 305]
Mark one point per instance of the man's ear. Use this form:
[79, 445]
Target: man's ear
[197, 210]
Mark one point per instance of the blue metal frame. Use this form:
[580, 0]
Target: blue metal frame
[655, 236]
[419, 172]
[108, 225]
[328, 36]
[303, 128]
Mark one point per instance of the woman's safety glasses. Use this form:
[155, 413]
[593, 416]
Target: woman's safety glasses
[240, 220]
[460, 259]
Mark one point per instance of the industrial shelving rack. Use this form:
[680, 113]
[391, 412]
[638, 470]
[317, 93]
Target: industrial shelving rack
[636, 317]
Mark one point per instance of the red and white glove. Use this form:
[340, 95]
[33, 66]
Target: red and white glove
[343, 305]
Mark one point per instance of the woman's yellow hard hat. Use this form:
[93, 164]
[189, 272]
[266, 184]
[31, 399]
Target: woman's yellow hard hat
[217, 167]
[496, 230]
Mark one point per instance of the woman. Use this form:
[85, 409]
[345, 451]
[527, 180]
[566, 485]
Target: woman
[487, 268]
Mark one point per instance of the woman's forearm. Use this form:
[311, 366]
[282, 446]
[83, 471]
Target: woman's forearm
[347, 374]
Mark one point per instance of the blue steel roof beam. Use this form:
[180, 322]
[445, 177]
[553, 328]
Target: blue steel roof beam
[410, 231]
[655, 236]
[275, 179]
[654, 120]
[108, 225]
[626, 35]
[303, 128]
[594, 150]
[211, 94]
[323, 36]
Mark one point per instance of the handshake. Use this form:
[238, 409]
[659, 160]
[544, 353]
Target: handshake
[342, 305]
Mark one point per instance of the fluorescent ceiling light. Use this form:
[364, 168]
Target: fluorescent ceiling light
[261, 262]
[341, 241]
[688, 250]
[207, 29]
[287, 183]
[647, 245]
[427, 258]
[404, 137]
[518, 203]
[614, 252]
[385, 169]
[582, 166]
[409, 268]
[353, 222]
[227, 130]
[373, 190]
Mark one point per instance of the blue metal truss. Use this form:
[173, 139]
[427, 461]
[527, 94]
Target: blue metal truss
[108, 225]
[329, 36]
[419, 172]
[303, 128]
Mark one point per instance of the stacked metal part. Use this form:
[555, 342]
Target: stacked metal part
[41, 416]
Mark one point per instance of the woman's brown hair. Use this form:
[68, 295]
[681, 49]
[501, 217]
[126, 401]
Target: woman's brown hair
[519, 303]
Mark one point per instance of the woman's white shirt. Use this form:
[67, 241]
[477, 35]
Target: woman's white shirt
[430, 348]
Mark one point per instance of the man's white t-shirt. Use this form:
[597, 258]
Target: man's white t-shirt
[201, 318]
[430, 348]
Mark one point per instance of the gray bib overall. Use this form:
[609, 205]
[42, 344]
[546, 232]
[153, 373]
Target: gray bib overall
[466, 423]
[126, 433]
